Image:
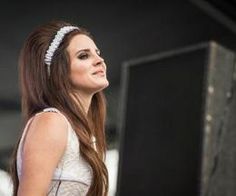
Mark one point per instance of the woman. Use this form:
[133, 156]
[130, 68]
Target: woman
[62, 147]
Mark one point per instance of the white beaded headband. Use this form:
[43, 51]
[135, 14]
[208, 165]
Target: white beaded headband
[55, 43]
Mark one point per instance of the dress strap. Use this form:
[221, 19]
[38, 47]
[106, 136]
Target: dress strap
[45, 110]
[52, 109]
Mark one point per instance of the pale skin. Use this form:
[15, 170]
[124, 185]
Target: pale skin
[46, 137]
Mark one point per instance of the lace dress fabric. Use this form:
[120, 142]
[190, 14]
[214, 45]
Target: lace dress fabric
[73, 175]
[67, 188]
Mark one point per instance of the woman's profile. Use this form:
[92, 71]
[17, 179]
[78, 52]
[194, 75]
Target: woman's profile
[62, 147]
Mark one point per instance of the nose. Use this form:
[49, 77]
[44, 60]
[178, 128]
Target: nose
[98, 60]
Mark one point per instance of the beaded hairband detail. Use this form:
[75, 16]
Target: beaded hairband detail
[55, 43]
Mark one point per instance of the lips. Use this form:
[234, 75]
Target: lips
[99, 72]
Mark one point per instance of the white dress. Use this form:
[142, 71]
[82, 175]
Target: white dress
[73, 175]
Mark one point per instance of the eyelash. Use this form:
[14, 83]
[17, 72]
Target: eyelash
[83, 56]
[86, 55]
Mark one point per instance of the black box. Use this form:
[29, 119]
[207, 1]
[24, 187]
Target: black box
[176, 124]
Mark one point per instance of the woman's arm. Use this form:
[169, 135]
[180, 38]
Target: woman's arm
[44, 146]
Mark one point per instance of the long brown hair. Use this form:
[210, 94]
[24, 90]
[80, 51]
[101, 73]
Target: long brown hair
[39, 91]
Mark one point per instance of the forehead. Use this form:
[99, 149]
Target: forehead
[79, 42]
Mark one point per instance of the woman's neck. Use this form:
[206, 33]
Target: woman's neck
[85, 100]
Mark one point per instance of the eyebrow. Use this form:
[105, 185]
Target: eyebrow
[85, 50]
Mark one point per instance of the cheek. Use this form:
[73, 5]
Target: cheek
[78, 72]
[78, 68]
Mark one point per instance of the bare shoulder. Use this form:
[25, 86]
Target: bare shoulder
[43, 148]
[50, 120]
[48, 129]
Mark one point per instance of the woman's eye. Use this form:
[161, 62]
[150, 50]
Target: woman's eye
[83, 56]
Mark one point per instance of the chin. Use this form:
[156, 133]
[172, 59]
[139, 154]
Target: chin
[105, 85]
[101, 86]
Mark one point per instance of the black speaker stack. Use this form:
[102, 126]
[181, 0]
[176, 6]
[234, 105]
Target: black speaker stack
[177, 123]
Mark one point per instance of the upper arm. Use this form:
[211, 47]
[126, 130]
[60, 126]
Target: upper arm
[44, 145]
